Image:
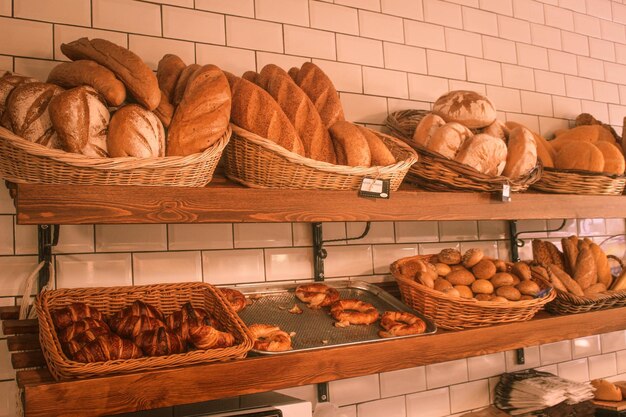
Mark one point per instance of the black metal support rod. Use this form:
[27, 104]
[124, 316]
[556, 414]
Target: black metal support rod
[47, 238]
[513, 240]
[319, 253]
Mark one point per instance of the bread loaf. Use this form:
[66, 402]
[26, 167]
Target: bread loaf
[466, 107]
[602, 265]
[165, 111]
[380, 154]
[202, 116]
[169, 69]
[126, 65]
[584, 133]
[484, 153]
[7, 83]
[320, 89]
[521, 155]
[250, 76]
[350, 145]
[545, 152]
[27, 110]
[498, 130]
[255, 110]
[449, 139]
[426, 129]
[87, 72]
[135, 131]
[181, 84]
[579, 155]
[569, 283]
[586, 273]
[81, 119]
[293, 73]
[300, 111]
[614, 163]
[570, 253]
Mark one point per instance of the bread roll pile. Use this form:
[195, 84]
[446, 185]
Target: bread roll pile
[472, 276]
[463, 127]
[300, 111]
[107, 102]
[581, 269]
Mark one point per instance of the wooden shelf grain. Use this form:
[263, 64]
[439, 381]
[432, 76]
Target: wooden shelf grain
[223, 201]
[125, 393]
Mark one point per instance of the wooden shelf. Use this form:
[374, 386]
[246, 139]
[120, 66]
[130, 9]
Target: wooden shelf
[223, 201]
[125, 393]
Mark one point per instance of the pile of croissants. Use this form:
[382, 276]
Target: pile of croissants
[137, 330]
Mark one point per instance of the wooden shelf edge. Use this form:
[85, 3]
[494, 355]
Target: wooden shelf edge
[227, 202]
[125, 393]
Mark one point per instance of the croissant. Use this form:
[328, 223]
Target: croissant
[159, 342]
[186, 312]
[139, 308]
[63, 317]
[183, 331]
[108, 347]
[83, 338]
[74, 329]
[131, 326]
[204, 336]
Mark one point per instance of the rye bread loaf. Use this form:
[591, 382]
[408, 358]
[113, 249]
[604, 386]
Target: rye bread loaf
[255, 110]
[350, 144]
[320, 89]
[484, 153]
[301, 113]
[7, 83]
[169, 69]
[135, 131]
[80, 118]
[27, 109]
[87, 72]
[521, 155]
[126, 65]
[202, 116]
[466, 107]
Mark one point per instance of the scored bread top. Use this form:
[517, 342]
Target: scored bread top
[320, 89]
[466, 107]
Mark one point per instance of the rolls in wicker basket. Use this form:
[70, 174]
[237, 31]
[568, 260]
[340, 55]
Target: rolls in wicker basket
[109, 300]
[260, 163]
[455, 313]
[579, 182]
[435, 172]
[22, 161]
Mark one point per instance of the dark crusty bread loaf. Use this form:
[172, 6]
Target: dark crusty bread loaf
[7, 83]
[165, 111]
[135, 131]
[80, 118]
[86, 72]
[126, 65]
[169, 69]
[320, 89]
[301, 113]
[380, 153]
[350, 144]
[27, 109]
[186, 75]
[202, 116]
[255, 110]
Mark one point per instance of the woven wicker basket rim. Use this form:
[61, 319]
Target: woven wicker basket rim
[328, 167]
[113, 164]
[590, 174]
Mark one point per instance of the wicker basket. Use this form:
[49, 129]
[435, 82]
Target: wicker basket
[22, 161]
[167, 297]
[434, 172]
[579, 182]
[456, 313]
[260, 163]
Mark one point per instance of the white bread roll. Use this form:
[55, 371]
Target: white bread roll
[522, 153]
[426, 128]
[466, 107]
[484, 153]
[81, 119]
[27, 108]
[135, 131]
[448, 139]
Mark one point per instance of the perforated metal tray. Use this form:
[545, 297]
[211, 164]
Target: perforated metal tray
[315, 329]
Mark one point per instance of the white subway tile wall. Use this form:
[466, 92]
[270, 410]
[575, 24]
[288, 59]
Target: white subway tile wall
[540, 62]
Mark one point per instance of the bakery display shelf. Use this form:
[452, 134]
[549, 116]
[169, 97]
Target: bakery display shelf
[224, 201]
[153, 389]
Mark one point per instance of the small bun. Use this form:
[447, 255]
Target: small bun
[498, 299]
[442, 269]
[464, 291]
[500, 265]
[502, 278]
[472, 256]
[528, 287]
[482, 286]
[442, 284]
[449, 256]
[483, 297]
[452, 291]
[485, 269]
[461, 277]
[509, 292]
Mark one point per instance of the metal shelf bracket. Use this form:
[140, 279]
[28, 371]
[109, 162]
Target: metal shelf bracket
[47, 238]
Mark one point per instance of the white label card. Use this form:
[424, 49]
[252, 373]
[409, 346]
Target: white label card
[374, 188]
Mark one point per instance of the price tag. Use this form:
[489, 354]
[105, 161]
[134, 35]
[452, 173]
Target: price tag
[506, 193]
[374, 188]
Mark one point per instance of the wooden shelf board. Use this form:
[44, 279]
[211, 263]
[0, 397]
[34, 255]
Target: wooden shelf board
[223, 201]
[263, 373]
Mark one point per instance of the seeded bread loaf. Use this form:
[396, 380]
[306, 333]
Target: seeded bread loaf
[320, 89]
[350, 144]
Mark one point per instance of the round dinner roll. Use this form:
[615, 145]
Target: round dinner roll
[498, 299]
[472, 256]
[426, 128]
[614, 163]
[509, 292]
[528, 287]
[484, 153]
[484, 269]
[579, 155]
[521, 153]
[350, 145]
[464, 291]
[461, 277]
[448, 139]
[452, 291]
[482, 286]
[449, 256]
[466, 107]
[483, 297]
[442, 269]
[502, 279]
[442, 284]
[501, 266]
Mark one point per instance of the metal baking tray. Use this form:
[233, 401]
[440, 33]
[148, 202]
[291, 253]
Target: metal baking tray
[315, 329]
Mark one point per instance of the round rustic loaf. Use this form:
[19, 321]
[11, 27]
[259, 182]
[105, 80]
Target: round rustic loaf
[448, 139]
[426, 128]
[135, 131]
[484, 153]
[498, 130]
[466, 107]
